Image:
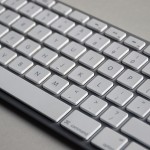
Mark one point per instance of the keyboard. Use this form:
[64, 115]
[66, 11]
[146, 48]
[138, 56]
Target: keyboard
[81, 77]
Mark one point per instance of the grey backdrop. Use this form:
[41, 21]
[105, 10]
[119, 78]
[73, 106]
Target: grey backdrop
[16, 133]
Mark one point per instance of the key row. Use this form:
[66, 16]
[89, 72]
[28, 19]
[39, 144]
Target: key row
[98, 85]
[31, 10]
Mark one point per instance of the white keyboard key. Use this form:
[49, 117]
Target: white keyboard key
[2, 9]
[120, 96]
[80, 33]
[3, 30]
[130, 79]
[91, 59]
[73, 50]
[30, 10]
[6, 56]
[39, 33]
[97, 42]
[116, 51]
[93, 105]
[139, 106]
[135, 146]
[9, 17]
[46, 3]
[138, 130]
[62, 9]
[114, 116]
[63, 25]
[28, 47]
[62, 65]
[147, 50]
[146, 70]
[37, 74]
[39, 100]
[80, 75]
[134, 43]
[144, 89]
[79, 17]
[135, 60]
[74, 94]
[55, 84]
[56, 41]
[96, 25]
[109, 140]
[12, 39]
[110, 69]
[23, 25]
[46, 17]
[15, 4]
[45, 56]
[115, 34]
[100, 85]
[77, 123]
[2, 1]
[20, 65]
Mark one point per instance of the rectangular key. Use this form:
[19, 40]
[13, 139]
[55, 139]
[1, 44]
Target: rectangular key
[115, 34]
[109, 140]
[62, 9]
[96, 25]
[32, 96]
[81, 124]
[138, 130]
[134, 43]
[147, 50]
[79, 17]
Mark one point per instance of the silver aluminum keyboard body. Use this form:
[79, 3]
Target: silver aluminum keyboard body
[97, 95]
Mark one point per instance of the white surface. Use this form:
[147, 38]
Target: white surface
[132, 15]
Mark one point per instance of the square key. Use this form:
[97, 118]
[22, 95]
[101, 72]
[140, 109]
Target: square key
[93, 105]
[74, 94]
[80, 75]
[100, 85]
[114, 116]
[55, 84]
[130, 79]
[37, 74]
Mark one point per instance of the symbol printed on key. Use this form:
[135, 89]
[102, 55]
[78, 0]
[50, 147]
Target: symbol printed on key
[130, 77]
